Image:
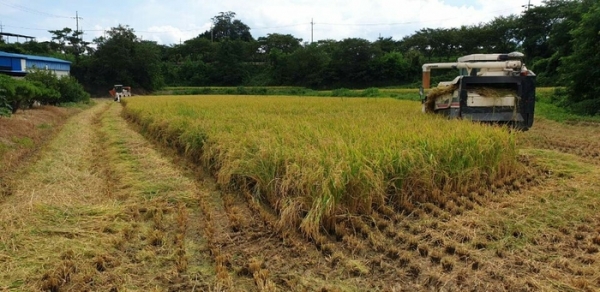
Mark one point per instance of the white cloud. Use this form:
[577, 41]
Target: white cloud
[169, 21]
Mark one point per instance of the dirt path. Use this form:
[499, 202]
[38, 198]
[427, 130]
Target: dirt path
[103, 209]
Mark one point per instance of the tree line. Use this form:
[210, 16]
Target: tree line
[559, 39]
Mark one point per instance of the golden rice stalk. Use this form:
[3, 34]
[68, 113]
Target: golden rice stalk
[435, 93]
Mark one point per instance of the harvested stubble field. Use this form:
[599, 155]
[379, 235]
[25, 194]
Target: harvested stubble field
[302, 194]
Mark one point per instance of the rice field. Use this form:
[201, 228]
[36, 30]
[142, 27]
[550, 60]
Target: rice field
[316, 160]
[247, 193]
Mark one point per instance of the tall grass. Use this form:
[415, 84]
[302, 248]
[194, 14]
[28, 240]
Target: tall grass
[397, 93]
[550, 105]
[317, 159]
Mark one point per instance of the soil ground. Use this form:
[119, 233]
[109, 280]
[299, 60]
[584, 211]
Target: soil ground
[99, 207]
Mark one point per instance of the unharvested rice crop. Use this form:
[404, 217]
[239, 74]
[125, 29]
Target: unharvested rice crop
[317, 160]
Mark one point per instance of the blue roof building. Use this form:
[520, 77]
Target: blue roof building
[19, 64]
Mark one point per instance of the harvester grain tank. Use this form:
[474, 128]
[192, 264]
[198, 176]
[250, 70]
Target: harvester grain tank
[492, 88]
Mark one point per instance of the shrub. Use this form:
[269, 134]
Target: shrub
[25, 93]
[71, 91]
[341, 92]
[45, 77]
[39, 85]
[241, 90]
[5, 108]
[259, 91]
[7, 91]
[44, 94]
[67, 87]
[586, 107]
[370, 92]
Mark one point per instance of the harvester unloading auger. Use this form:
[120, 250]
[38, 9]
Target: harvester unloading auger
[493, 88]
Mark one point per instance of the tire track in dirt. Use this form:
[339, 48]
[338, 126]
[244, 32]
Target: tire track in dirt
[38, 219]
[163, 205]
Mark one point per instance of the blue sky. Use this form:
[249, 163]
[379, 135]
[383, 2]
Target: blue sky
[169, 22]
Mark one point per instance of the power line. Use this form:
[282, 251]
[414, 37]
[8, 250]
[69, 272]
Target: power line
[33, 11]
[30, 28]
[401, 23]
[96, 30]
[281, 26]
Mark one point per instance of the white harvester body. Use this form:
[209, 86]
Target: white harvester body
[495, 88]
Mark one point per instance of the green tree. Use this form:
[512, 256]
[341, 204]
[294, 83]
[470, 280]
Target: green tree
[390, 68]
[230, 69]
[225, 27]
[194, 73]
[286, 43]
[350, 63]
[503, 34]
[307, 66]
[122, 58]
[386, 45]
[546, 38]
[198, 48]
[581, 69]
[69, 41]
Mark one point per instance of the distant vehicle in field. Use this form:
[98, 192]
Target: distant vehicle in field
[119, 91]
[493, 88]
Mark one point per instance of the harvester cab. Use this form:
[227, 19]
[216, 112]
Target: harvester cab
[491, 88]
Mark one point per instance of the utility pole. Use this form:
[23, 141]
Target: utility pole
[528, 5]
[312, 24]
[77, 18]
[77, 32]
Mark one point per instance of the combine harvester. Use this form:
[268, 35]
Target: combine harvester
[491, 88]
[119, 91]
